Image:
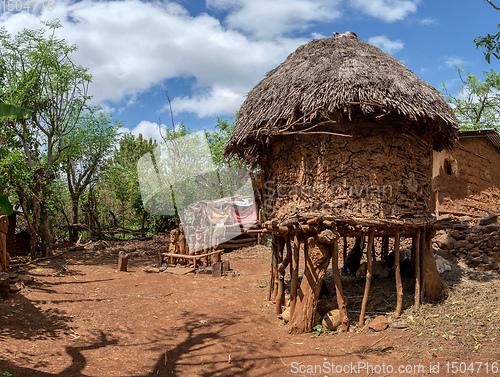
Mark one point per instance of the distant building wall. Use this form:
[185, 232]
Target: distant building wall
[466, 181]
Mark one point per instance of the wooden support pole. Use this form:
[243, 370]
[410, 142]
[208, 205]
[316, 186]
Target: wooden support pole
[280, 300]
[279, 253]
[276, 262]
[397, 265]
[274, 248]
[385, 247]
[344, 256]
[371, 234]
[344, 319]
[422, 252]
[4, 227]
[294, 273]
[431, 280]
[317, 257]
[416, 261]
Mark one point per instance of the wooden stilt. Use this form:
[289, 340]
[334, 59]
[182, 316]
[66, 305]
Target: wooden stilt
[344, 256]
[422, 251]
[294, 273]
[4, 226]
[274, 246]
[279, 258]
[385, 247]
[374, 253]
[344, 319]
[371, 234]
[280, 300]
[416, 261]
[399, 285]
[430, 274]
[317, 258]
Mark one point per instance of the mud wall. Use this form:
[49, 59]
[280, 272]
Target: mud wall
[376, 173]
[466, 181]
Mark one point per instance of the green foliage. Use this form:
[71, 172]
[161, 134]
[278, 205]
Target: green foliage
[5, 206]
[10, 111]
[37, 73]
[121, 174]
[320, 329]
[15, 173]
[491, 43]
[478, 104]
[88, 148]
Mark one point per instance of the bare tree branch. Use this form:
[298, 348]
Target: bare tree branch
[493, 5]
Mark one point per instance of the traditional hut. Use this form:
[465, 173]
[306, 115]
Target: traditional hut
[344, 134]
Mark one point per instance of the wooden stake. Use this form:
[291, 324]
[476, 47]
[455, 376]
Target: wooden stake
[279, 252]
[399, 285]
[422, 252]
[123, 261]
[344, 256]
[338, 287]
[4, 226]
[416, 261]
[280, 300]
[317, 257]
[385, 247]
[430, 274]
[294, 273]
[371, 234]
[274, 247]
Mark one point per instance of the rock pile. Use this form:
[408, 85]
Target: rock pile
[476, 245]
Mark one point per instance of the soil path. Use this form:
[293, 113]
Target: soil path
[80, 317]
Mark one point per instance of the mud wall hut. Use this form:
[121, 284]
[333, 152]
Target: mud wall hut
[466, 180]
[344, 134]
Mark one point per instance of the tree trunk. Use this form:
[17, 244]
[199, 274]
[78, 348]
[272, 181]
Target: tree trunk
[317, 258]
[123, 217]
[45, 232]
[73, 233]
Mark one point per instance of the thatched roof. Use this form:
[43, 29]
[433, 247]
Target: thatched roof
[342, 76]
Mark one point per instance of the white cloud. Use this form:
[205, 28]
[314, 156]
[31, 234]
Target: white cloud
[429, 21]
[452, 61]
[146, 129]
[385, 44]
[218, 100]
[267, 19]
[130, 45]
[386, 10]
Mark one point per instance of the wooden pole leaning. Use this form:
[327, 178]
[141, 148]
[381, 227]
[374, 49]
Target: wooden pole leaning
[294, 273]
[416, 261]
[397, 265]
[280, 300]
[344, 319]
[371, 235]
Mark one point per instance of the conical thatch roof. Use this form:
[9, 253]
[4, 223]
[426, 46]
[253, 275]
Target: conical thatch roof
[343, 76]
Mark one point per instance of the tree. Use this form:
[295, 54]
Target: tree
[89, 147]
[37, 73]
[8, 111]
[122, 171]
[490, 42]
[478, 104]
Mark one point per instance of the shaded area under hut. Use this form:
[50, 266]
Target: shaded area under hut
[344, 135]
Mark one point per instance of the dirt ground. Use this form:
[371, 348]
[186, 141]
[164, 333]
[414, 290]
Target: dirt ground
[80, 317]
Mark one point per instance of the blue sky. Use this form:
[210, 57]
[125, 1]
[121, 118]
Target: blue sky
[209, 54]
